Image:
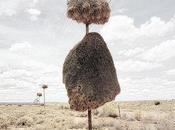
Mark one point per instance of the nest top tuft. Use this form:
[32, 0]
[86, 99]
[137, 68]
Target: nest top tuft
[89, 11]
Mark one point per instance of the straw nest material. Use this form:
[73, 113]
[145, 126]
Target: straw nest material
[89, 74]
[89, 11]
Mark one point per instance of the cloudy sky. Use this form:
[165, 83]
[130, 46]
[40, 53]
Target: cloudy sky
[36, 36]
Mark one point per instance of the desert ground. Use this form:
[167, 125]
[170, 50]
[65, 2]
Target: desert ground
[142, 115]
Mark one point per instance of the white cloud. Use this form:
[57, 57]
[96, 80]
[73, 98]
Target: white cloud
[136, 66]
[26, 77]
[160, 52]
[8, 8]
[16, 73]
[156, 27]
[12, 7]
[122, 10]
[23, 48]
[131, 52]
[151, 42]
[34, 13]
[120, 28]
[35, 2]
[171, 72]
[144, 49]
[8, 12]
[146, 89]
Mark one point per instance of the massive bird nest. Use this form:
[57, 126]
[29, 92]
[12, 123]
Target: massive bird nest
[89, 74]
[89, 11]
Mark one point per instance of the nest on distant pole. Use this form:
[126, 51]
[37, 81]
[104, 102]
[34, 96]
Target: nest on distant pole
[39, 94]
[89, 11]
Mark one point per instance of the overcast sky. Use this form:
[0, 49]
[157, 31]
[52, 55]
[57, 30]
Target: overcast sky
[36, 36]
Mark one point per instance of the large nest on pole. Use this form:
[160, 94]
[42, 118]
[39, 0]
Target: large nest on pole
[89, 11]
[89, 74]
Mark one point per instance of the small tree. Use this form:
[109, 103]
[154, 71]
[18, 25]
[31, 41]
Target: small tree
[157, 103]
[44, 87]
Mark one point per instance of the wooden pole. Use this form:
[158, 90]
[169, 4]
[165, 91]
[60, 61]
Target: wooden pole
[89, 110]
[119, 111]
[89, 119]
[87, 28]
[44, 97]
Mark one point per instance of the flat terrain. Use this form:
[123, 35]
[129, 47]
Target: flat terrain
[143, 115]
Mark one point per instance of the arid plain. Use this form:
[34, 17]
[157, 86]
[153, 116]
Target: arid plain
[138, 115]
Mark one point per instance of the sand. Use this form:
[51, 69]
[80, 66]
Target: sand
[143, 115]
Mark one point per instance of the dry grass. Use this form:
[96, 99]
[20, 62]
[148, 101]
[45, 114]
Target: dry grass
[134, 116]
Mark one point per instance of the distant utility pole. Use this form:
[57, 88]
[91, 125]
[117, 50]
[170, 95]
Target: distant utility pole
[44, 87]
[119, 111]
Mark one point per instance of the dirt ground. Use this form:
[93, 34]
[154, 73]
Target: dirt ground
[143, 115]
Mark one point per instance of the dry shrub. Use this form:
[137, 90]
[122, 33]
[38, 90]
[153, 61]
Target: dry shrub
[40, 127]
[32, 115]
[12, 120]
[157, 103]
[103, 122]
[138, 115]
[171, 115]
[89, 11]
[108, 110]
[1, 112]
[40, 119]
[25, 121]
[150, 127]
[4, 123]
[153, 116]
[135, 126]
[50, 126]
[78, 114]
[166, 125]
[63, 106]
[8, 118]
[77, 123]
[62, 123]
[82, 114]
[19, 113]
[55, 123]
[60, 119]
[41, 112]
[129, 116]
[120, 125]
